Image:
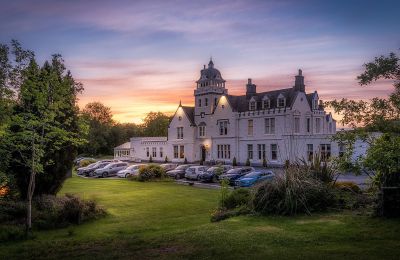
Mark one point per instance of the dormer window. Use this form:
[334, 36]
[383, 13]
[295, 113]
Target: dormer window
[281, 102]
[252, 105]
[266, 104]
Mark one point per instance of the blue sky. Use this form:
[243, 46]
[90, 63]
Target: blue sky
[138, 56]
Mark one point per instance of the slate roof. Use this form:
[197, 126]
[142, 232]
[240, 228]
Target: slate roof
[241, 103]
[189, 111]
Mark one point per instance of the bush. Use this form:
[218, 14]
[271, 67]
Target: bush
[86, 162]
[237, 198]
[166, 159]
[150, 172]
[264, 163]
[234, 162]
[347, 186]
[291, 193]
[248, 162]
[12, 233]
[12, 212]
[185, 161]
[150, 159]
[320, 169]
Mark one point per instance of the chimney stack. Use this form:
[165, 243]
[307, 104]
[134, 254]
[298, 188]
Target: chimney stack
[250, 89]
[299, 82]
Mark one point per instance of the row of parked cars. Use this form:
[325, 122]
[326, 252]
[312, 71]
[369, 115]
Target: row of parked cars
[236, 176]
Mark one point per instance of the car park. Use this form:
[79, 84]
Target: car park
[235, 173]
[253, 178]
[179, 172]
[168, 166]
[193, 172]
[130, 171]
[110, 169]
[212, 174]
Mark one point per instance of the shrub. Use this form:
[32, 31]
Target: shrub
[234, 162]
[166, 159]
[294, 192]
[248, 162]
[264, 163]
[150, 159]
[320, 169]
[237, 198]
[12, 233]
[12, 211]
[185, 161]
[86, 162]
[54, 212]
[347, 186]
[150, 172]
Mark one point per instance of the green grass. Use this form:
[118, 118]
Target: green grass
[167, 220]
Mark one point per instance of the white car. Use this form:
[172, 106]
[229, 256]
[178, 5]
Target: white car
[131, 170]
[193, 172]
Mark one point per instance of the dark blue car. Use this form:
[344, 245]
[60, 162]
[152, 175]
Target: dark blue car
[252, 178]
[236, 173]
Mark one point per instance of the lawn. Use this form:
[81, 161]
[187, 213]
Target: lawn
[167, 220]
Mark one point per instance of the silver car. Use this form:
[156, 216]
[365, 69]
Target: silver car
[192, 173]
[169, 166]
[111, 169]
[131, 170]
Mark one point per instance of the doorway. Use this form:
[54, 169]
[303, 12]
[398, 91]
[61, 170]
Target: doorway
[203, 153]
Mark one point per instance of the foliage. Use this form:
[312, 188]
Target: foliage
[320, 169]
[86, 162]
[347, 186]
[384, 157]
[185, 161]
[237, 198]
[377, 114]
[291, 193]
[264, 162]
[155, 124]
[166, 159]
[247, 162]
[224, 191]
[234, 162]
[50, 211]
[151, 172]
[11, 233]
[150, 159]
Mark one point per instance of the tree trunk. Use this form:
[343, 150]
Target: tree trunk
[31, 189]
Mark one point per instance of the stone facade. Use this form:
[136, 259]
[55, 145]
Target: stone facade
[278, 125]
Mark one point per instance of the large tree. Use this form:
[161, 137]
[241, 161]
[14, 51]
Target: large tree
[42, 137]
[377, 114]
[156, 124]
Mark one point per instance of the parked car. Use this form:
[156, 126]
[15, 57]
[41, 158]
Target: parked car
[211, 174]
[90, 171]
[168, 166]
[179, 172]
[111, 169]
[252, 178]
[130, 170]
[79, 159]
[81, 170]
[234, 174]
[193, 172]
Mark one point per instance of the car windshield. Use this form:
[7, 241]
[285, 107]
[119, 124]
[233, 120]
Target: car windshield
[182, 167]
[252, 174]
[101, 165]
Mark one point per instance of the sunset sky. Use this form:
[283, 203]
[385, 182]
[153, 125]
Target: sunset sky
[141, 56]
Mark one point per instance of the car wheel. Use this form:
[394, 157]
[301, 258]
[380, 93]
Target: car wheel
[126, 175]
[105, 174]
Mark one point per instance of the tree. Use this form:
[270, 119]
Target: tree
[99, 119]
[156, 124]
[377, 114]
[44, 132]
